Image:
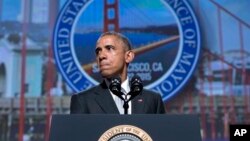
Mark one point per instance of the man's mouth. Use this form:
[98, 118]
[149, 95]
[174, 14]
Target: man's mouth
[104, 66]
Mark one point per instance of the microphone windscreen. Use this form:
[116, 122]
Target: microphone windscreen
[136, 84]
[115, 85]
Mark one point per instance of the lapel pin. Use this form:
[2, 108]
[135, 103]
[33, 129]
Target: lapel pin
[140, 100]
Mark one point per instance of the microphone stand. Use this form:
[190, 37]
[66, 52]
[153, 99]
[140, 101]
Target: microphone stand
[125, 104]
[125, 100]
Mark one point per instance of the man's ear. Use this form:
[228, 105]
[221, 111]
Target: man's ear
[129, 56]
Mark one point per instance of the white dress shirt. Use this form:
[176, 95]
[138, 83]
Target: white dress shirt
[119, 102]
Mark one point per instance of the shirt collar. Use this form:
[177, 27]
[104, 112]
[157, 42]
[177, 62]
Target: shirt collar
[125, 85]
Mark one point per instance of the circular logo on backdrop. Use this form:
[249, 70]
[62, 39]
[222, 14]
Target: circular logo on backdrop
[167, 47]
[125, 133]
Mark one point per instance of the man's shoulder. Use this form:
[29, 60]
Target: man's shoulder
[152, 96]
[88, 92]
[150, 93]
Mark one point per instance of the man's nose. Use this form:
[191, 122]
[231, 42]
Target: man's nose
[102, 55]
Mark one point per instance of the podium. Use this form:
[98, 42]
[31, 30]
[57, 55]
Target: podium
[145, 127]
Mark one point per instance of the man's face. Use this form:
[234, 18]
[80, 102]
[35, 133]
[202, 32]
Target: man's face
[111, 56]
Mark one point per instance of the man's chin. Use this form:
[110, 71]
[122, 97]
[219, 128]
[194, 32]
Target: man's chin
[107, 75]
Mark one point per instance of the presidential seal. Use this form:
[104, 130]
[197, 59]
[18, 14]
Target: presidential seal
[125, 133]
[167, 55]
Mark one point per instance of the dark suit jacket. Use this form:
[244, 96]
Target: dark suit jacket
[98, 100]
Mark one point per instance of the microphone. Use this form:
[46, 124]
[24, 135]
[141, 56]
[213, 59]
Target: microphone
[136, 86]
[115, 86]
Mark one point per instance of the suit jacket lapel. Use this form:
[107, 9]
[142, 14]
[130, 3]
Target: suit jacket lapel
[138, 104]
[105, 100]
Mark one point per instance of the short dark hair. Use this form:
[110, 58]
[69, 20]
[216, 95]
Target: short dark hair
[123, 38]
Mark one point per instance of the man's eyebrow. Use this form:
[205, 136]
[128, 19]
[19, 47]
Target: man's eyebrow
[97, 49]
[109, 46]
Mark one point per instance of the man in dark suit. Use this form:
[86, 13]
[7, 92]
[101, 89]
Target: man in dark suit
[113, 55]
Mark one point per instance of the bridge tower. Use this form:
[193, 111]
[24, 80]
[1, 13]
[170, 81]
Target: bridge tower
[111, 15]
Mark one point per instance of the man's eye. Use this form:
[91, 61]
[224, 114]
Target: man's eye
[97, 51]
[110, 47]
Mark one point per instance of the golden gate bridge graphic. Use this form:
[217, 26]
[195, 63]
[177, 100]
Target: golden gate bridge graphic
[227, 71]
